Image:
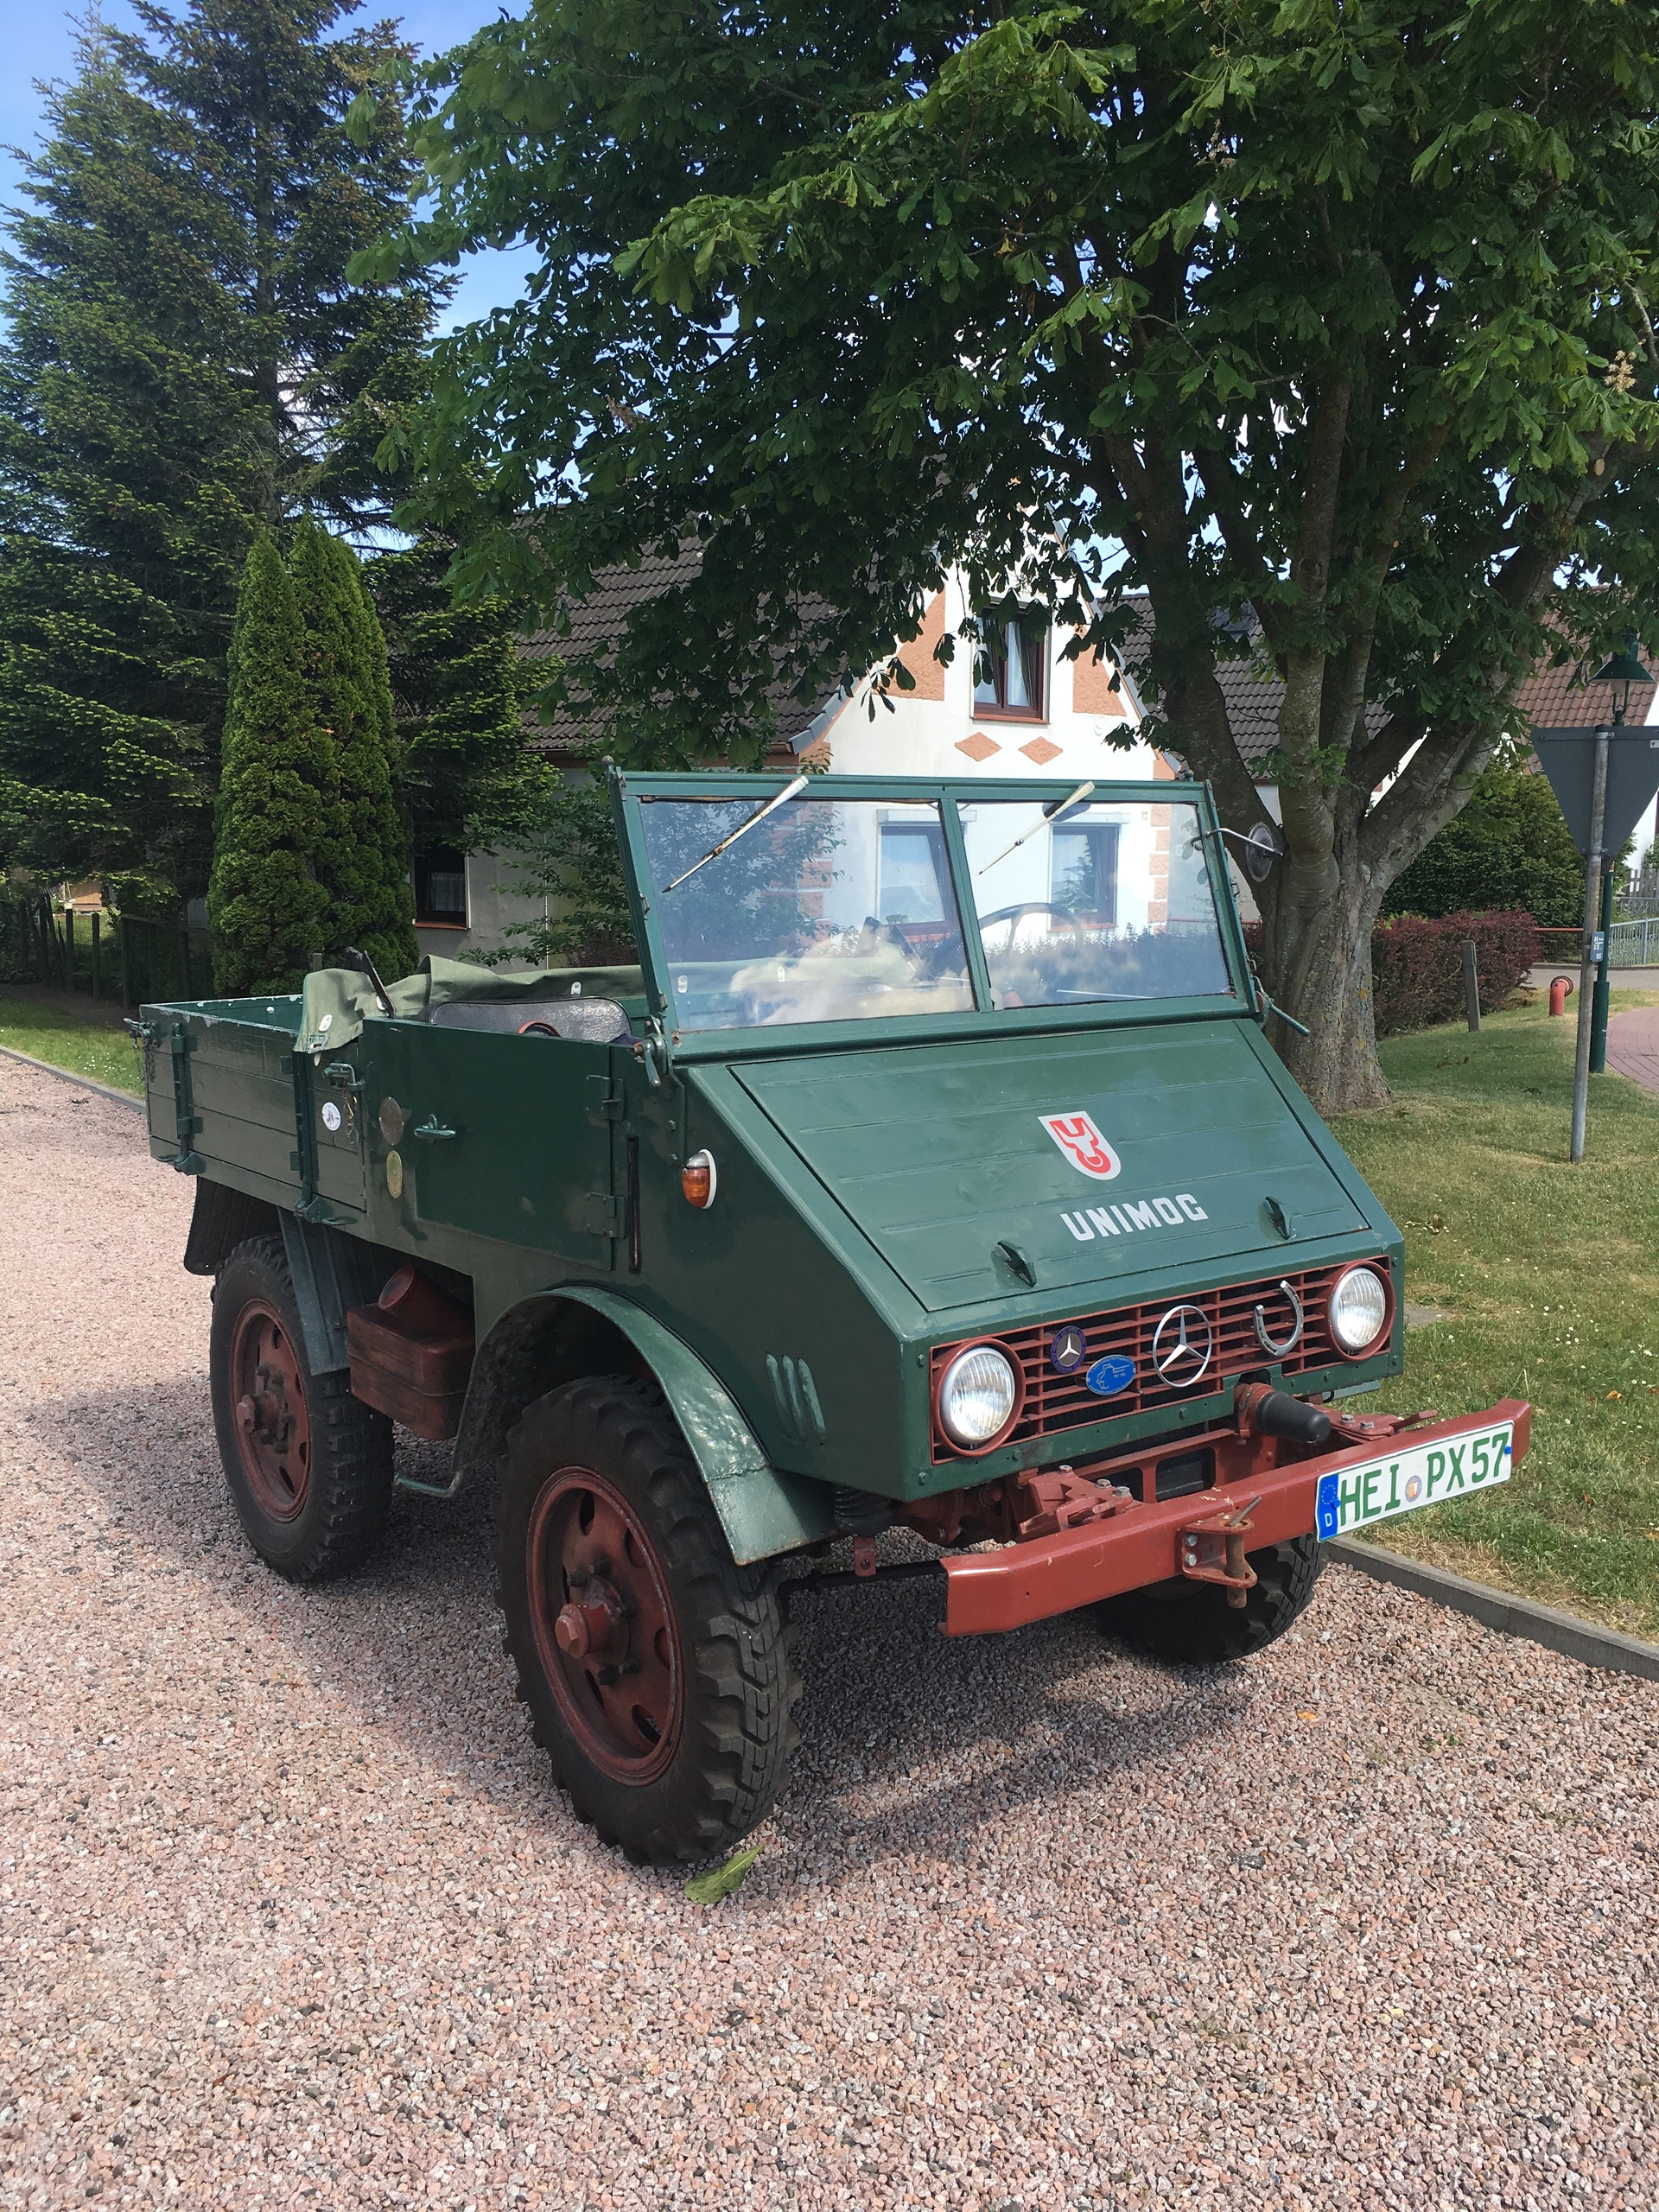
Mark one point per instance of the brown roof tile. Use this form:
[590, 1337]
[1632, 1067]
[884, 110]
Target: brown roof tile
[1553, 698]
[594, 623]
[1559, 698]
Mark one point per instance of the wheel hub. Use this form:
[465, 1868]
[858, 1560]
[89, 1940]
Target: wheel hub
[604, 1625]
[594, 1624]
[273, 1423]
[268, 1419]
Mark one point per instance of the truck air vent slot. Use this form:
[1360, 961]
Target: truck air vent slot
[1056, 1401]
[796, 1396]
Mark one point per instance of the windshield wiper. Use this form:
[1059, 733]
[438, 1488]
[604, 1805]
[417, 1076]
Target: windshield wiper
[789, 791]
[1052, 814]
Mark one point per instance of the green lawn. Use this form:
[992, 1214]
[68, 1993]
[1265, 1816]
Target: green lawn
[1550, 1272]
[50, 1033]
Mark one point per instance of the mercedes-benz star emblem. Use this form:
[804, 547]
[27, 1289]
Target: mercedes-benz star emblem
[1068, 1348]
[1181, 1346]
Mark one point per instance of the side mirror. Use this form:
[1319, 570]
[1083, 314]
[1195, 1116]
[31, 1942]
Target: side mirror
[1261, 851]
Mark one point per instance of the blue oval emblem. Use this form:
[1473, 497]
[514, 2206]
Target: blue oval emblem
[1109, 1376]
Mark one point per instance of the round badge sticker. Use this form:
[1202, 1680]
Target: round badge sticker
[1414, 1488]
[332, 1116]
[1068, 1349]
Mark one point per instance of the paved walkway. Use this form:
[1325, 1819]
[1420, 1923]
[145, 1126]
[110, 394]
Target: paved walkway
[1633, 1046]
[1540, 977]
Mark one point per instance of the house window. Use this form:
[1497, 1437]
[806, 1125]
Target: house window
[441, 888]
[913, 873]
[1083, 878]
[1012, 659]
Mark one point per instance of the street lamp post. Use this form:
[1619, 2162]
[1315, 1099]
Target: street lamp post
[1623, 671]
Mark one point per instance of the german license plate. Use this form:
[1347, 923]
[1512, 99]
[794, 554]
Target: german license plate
[1423, 1474]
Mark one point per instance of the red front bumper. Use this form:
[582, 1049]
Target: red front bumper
[1142, 1544]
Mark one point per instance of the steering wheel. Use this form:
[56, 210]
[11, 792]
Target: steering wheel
[892, 934]
[1015, 915]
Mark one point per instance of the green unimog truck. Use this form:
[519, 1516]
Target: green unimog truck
[930, 1172]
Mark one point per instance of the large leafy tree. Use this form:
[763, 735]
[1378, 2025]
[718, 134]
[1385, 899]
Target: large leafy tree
[1333, 318]
[185, 362]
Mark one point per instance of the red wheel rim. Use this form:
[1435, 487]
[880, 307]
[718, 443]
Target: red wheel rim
[604, 1627]
[273, 1427]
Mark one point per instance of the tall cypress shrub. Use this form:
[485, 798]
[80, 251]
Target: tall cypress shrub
[367, 865]
[278, 817]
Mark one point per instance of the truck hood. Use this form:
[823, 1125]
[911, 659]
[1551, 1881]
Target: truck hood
[1092, 1156]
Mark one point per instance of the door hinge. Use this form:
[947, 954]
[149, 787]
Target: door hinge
[604, 1215]
[604, 1106]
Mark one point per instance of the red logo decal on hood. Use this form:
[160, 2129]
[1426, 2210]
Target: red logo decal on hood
[1083, 1144]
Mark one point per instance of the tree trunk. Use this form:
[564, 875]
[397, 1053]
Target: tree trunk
[1316, 965]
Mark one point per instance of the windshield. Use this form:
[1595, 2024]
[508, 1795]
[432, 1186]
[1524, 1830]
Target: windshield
[1105, 901]
[828, 909]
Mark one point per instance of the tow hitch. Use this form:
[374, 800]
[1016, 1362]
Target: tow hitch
[1213, 1551]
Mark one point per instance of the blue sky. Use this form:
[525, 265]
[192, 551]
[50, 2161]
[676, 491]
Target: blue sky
[40, 42]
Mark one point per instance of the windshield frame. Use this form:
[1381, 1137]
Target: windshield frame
[984, 1018]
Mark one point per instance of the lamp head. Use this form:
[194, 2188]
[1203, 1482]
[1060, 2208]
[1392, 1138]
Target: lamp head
[1623, 672]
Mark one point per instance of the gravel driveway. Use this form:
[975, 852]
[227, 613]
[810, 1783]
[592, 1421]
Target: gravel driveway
[290, 1914]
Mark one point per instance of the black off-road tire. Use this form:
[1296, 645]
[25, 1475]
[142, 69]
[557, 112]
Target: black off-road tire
[347, 1484]
[720, 1761]
[1191, 1624]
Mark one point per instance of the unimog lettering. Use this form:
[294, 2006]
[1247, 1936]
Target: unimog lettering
[589, 1225]
[1131, 1214]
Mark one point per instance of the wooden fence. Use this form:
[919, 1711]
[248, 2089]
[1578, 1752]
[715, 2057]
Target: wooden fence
[117, 957]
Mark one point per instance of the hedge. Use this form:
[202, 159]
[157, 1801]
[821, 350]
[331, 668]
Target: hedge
[1417, 965]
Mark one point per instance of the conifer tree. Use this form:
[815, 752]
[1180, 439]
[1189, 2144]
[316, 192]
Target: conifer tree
[278, 817]
[127, 482]
[458, 690]
[182, 361]
[367, 865]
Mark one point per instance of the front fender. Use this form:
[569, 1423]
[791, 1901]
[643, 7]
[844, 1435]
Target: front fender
[557, 1335]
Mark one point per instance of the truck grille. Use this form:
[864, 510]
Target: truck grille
[1055, 1403]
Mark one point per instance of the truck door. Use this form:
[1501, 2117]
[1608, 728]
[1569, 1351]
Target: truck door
[513, 1137]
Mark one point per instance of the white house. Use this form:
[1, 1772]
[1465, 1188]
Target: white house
[1032, 712]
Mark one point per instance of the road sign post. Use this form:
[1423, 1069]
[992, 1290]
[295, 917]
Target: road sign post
[1593, 864]
[1605, 781]
[1604, 961]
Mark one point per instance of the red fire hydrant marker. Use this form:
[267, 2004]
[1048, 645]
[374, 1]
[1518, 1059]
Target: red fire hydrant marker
[1559, 991]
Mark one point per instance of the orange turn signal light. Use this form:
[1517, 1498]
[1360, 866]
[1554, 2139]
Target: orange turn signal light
[697, 1179]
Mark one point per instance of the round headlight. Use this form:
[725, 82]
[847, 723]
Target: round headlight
[1359, 1310]
[979, 1395]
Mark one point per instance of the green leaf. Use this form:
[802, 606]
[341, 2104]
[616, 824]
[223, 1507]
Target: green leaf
[720, 1881]
[361, 117]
